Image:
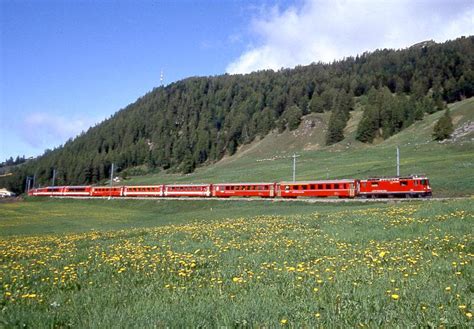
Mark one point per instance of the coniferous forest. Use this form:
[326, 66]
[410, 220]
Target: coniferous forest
[198, 120]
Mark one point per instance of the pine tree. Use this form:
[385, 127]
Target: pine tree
[444, 127]
[368, 125]
[316, 105]
[338, 119]
[293, 116]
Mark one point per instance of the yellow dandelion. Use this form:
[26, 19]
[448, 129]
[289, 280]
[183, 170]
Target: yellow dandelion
[317, 315]
[283, 321]
[469, 315]
[395, 297]
[448, 289]
[462, 307]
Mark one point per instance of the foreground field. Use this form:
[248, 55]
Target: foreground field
[378, 265]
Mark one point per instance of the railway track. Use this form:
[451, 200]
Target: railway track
[252, 199]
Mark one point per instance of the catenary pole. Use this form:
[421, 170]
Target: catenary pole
[294, 166]
[398, 161]
[54, 177]
[111, 180]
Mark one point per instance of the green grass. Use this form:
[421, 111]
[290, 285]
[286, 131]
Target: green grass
[450, 166]
[135, 264]
[55, 216]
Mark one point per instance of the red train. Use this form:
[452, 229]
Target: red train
[412, 186]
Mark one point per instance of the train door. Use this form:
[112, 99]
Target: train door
[277, 189]
[354, 188]
[272, 190]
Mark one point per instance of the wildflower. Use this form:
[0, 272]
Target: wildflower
[283, 321]
[469, 315]
[462, 307]
[395, 297]
[447, 289]
[317, 315]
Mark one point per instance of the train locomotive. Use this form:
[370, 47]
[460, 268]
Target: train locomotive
[386, 187]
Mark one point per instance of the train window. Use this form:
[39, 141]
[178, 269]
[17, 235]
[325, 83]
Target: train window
[313, 186]
[320, 186]
[403, 183]
[423, 182]
[328, 186]
[336, 186]
[415, 183]
[375, 184]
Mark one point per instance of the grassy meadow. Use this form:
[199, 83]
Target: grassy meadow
[135, 264]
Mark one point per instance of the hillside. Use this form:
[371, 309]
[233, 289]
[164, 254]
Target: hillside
[449, 165]
[204, 121]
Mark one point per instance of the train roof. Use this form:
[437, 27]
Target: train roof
[147, 186]
[319, 182]
[232, 184]
[395, 178]
[78, 186]
[184, 185]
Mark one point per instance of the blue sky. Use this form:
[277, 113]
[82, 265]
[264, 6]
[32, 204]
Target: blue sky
[66, 65]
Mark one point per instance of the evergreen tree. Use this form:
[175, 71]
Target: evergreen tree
[316, 105]
[368, 125]
[293, 117]
[338, 119]
[444, 127]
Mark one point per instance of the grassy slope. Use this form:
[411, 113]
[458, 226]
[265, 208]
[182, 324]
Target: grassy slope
[450, 166]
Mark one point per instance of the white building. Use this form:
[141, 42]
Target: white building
[4, 193]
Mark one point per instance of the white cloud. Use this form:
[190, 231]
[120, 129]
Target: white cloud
[44, 130]
[327, 30]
